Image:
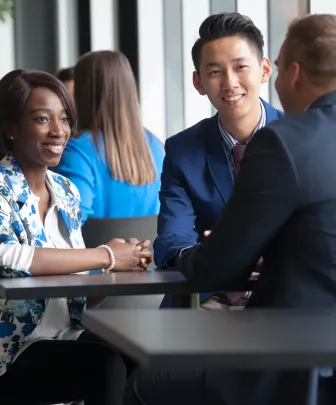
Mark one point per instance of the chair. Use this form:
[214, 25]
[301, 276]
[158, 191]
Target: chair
[97, 231]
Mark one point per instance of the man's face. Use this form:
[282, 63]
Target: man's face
[231, 75]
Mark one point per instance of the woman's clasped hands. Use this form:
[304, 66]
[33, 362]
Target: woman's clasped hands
[130, 254]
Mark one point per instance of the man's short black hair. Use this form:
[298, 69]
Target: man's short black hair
[227, 25]
[65, 75]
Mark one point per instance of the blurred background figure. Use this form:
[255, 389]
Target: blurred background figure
[66, 76]
[114, 162]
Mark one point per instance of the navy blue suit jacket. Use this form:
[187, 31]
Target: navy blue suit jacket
[196, 183]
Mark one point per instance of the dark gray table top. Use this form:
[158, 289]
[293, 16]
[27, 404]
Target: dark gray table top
[77, 285]
[153, 281]
[246, 339]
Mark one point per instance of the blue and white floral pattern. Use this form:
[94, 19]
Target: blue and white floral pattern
[19, 223]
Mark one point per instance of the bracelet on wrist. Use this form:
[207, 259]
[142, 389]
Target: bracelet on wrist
[112, 258]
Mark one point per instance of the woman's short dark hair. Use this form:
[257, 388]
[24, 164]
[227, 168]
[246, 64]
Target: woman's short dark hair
[15, 90]
[67, 74]
[227, 25]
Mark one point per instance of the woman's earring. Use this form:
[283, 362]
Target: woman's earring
[11, 137]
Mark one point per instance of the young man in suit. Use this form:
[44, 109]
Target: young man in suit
[284, 205]
[201, 162]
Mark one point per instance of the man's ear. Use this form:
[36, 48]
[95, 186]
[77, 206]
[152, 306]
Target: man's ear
[197, 84]
[295, 74]
[266, 70]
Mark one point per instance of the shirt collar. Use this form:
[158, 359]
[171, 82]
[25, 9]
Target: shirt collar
[16, 184]
[230, 141]
[54, 202]
[53, 197]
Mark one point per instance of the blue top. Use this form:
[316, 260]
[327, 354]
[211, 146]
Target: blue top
[102, 196]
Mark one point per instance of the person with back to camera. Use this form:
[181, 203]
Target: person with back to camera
[45, 354]
[115, 163]
[284, 205]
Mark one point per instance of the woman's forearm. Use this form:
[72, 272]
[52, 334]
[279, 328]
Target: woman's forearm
[48, 261]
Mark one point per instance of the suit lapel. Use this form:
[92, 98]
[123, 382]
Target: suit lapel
[67, 210]
[272, 114]
[217, 158]
[24, 202]
[217, 155]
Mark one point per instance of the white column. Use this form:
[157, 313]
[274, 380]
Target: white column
[7, 54]
[67, 33]
[173, 66]
[323, 6]
[151, 66]
[280, 15]
[257, 10]
[103, 25]
[196, 107]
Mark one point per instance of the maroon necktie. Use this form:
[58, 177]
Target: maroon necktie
[238, 153]
[224, 299]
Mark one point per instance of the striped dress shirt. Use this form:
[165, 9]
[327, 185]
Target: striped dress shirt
[229, 141]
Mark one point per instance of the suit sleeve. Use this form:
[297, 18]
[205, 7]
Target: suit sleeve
[265, 195]
[177, 216]
[76, 166]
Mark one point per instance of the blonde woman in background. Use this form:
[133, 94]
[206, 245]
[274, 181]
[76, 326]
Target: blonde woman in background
[114, 162]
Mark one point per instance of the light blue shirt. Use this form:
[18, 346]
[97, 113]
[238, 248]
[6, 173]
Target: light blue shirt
[102, 196]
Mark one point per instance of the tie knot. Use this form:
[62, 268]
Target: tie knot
[238, 152]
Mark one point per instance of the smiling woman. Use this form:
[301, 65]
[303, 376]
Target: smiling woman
[43, 122]
[40, 234]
